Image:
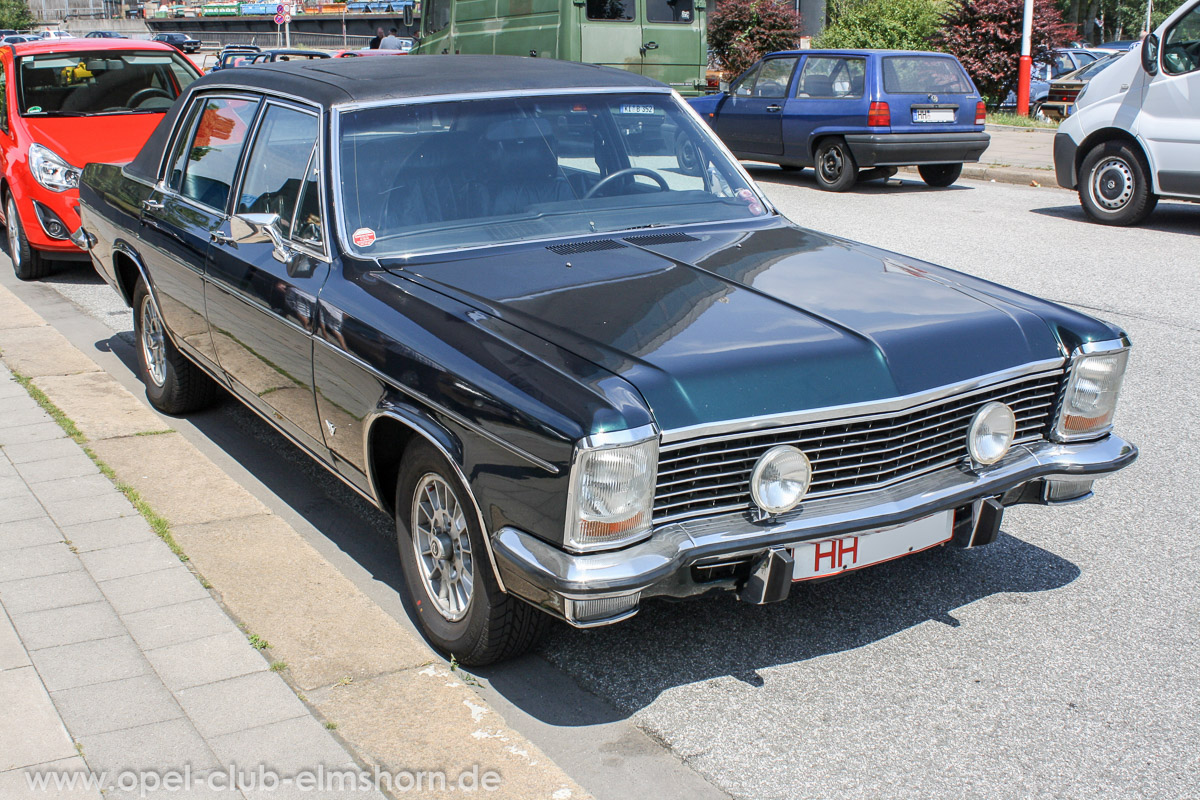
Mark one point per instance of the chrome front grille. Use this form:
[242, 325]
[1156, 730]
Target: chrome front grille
[711, 475]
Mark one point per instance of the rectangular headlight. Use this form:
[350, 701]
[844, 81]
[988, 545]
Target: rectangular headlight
[1090, 399]
[612, 490]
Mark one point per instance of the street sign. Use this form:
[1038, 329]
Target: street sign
[279, 9]
[279, 19]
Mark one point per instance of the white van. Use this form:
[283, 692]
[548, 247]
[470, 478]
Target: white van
[1135, 133]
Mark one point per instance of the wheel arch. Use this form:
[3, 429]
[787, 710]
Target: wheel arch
[1105, 135]
[388, 433]
[127, 268]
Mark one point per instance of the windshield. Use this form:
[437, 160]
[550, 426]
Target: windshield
[101, 82]
[1092, 69]
[435, 176]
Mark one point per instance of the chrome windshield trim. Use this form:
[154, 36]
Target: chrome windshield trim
[769, 421]
[497, 94]
[438, 407]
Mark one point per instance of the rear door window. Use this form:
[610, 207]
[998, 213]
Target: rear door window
[827, 77]
[669, 11]
[205, 167]
[924, 75]
[624, 10]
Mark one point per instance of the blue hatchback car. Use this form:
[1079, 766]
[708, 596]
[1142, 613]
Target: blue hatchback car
[840, 111]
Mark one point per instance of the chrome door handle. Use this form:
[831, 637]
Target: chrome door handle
[216, 237]
[774, 107]
[152, 205]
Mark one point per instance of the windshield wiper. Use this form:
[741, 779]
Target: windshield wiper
[57, 113]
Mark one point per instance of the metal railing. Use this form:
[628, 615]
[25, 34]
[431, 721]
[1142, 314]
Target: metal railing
[215, 40]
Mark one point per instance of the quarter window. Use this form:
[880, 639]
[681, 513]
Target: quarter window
[276, 168]
[832, 78]
[3, 98]
[670, 11]
[623, 10]
[206, 169]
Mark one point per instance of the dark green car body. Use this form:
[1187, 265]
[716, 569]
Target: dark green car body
[662, 39]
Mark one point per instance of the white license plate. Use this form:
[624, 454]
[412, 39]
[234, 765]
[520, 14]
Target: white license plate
[826, 557]
[933, 115]
[637, 109]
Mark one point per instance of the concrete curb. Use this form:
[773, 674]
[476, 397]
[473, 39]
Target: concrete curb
[396, 704]
[1022, 176]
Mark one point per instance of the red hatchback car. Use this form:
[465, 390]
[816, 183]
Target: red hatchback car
[65, 103]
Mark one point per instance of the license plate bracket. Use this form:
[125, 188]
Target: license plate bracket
[824, 558]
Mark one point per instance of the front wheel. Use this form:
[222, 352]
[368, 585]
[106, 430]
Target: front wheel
[447, 571]
[174, 385]
[940, 175]
[28, 264]
[834, 166]
[1114, 185]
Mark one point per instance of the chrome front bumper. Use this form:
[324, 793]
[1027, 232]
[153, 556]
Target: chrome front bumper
[602, 588]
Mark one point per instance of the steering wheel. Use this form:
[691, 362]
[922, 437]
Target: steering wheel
[649, 173]
[142, 95]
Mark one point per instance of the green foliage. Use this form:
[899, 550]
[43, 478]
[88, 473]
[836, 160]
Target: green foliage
[742, 31]
[15, 14]
[883, 24]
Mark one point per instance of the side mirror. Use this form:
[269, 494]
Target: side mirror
[261, 229]
[408, 16]
[1150, 54]
[723, 86]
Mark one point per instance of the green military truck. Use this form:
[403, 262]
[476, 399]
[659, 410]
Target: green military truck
[662, 39]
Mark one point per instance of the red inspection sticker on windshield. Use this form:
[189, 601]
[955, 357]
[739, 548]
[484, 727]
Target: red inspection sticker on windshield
[363, 237]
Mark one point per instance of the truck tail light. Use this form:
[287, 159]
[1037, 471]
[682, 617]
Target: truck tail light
[879, 115]
[980, 113]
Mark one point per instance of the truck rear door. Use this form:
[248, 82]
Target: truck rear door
[673, 45]
[611, 34]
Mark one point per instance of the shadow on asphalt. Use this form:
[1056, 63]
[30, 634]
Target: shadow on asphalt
[899, 183]
[580, 678]
[1168, 217]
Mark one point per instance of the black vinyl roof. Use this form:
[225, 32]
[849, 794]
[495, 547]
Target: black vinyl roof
[348, 80]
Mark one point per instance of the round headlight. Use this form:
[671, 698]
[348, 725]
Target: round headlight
[991, 433]
[780, 479]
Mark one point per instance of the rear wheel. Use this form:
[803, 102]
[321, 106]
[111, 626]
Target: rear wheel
[686, 154]
[940, 175]
[834, 166]
[174, 385]
[28, 264]
[1114, 185]
[447, 571]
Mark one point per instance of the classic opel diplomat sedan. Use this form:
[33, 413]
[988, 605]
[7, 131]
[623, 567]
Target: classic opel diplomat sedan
[578, 375]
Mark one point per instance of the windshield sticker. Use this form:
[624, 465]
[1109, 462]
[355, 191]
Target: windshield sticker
[752, 205]
[363, 237]
[35, 109]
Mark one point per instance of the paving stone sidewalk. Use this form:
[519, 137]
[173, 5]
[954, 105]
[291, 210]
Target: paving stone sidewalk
[113, 656]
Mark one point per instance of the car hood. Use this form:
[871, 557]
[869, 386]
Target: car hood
[109, 139]
[736, 324]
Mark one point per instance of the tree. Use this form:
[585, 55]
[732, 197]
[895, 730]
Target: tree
[985, 35]
[885, 24]
[15, 15]
[742, 31]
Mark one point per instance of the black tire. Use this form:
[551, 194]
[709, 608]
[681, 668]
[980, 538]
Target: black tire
[28, 264]
[493, 626]
[940, 175]
[687, 155]
[834, 165]
[1114, 185]
[174, 385]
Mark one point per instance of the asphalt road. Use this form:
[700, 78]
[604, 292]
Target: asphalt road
[1061, 662]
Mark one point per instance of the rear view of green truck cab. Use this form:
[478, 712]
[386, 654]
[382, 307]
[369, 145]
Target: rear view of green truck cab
[661, 39]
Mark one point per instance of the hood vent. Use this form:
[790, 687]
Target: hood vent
[575, 248]
[651, 239]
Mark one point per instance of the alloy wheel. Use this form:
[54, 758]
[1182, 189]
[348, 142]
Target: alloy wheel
[443, 547]
[154, 352]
